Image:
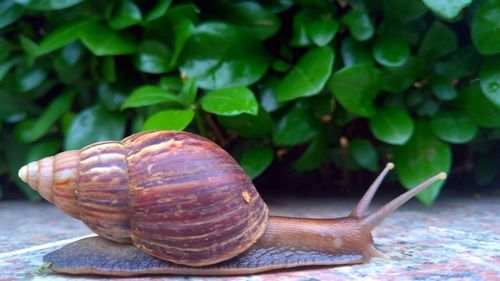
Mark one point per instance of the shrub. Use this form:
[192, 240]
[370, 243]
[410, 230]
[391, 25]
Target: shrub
[354, 83]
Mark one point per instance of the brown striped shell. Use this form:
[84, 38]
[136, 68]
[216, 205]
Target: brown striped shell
[175, 195]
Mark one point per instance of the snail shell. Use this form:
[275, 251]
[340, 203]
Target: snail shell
[174, 195]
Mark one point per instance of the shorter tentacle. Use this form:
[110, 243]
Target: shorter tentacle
[364, 203]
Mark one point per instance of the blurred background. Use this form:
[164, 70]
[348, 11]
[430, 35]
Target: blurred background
[311, 97]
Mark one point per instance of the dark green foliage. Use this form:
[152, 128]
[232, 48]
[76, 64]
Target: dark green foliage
[346, 84]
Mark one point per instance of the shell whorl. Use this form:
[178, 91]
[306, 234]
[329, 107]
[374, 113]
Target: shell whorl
[55, 178]
[175, 195]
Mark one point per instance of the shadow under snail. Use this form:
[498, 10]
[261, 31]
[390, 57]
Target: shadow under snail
[184, 206]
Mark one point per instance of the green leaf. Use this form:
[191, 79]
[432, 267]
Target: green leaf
[247, 125]
[237, 60]
[463, 62]
[29, 78]
[230, 101]
[251, 16]
[188, 92]
[108, 68]
[359, 24]
[125, 13]
[94, 124]
[322, 30]
[398, 79]
[172, 119]
[308, 77]
[110, 95]
[443, 89]
[153, 57]
[9, 12]
[354, 52]
[485, 30]
[31, 131]
[7, 65]
[364, 154]
[103, 41]
[183, 31]
[480, 109]
[356, 87]
[256, 160]
[314, 155]
[301, 20]
[294, 128]
[447, 9]
[489, 79]
[158, 10]
[392, 125]
[453, 126]
[45, 5]
[149, 95]
[439, 41]
[420, 158]
[30, 48]
[391, 51]
[403, 10]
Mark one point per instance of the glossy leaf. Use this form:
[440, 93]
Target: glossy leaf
[364, 154]
[322, 30]
[183, 31]
[485, 30]
[230, 101]
[479, 108]
[403, 10]
[390, 51]
[125, 13]
[47, 4]
[313, 156]
[453, 126]
[439, 41]
[296, 127]
[301, 21]
[392, 126]
[238, 59]
[359, 24]
[463, 62]
[421, 157]
[158, 10]
[188, 92]
[252, 17]
[32, 131]
[9, 12]
[29, 78]
[172, 119]
[489, 79]
[247, 125]
[256, 160]
[443, 89]
[103, 41]
[356, 87]
[153, 57]
[94, 124]
[149, 95]
[354, 52]
[447, 9]
[308, 77]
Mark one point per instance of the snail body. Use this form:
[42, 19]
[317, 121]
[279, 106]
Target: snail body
[187, 207]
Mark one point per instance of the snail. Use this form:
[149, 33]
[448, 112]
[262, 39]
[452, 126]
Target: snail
[168, 202]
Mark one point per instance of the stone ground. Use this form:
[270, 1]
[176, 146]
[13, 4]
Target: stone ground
[455, 239]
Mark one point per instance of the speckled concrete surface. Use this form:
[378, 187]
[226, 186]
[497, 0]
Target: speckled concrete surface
[456, 239]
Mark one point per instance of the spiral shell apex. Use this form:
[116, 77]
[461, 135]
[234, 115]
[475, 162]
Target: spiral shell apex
[174, 195]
